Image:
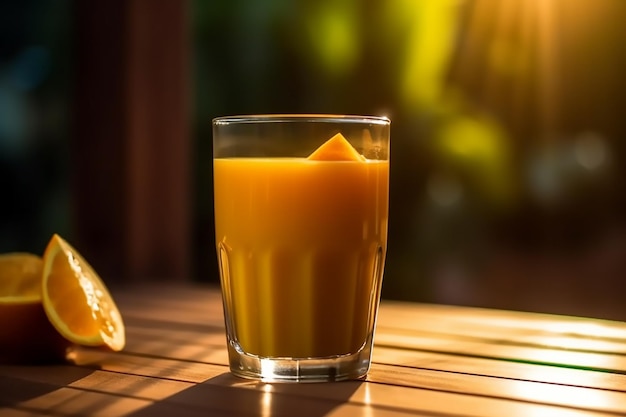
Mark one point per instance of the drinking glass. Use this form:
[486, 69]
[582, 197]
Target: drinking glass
[301, 213]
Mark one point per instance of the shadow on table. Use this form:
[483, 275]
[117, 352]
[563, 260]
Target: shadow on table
[228, 395]
[21, 384]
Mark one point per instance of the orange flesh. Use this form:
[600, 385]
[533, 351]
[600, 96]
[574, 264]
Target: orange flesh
[77, 315]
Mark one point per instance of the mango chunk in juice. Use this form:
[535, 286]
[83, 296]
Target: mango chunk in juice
[336, 148]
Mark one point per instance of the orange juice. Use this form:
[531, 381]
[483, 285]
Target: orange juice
[301, 245]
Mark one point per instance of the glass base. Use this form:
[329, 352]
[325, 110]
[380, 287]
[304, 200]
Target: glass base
[327, 369]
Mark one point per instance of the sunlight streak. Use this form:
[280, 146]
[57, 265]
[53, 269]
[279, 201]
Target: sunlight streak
[266, 400]
[548, 87]
[509, 61]
[542, 392]
[79, 402]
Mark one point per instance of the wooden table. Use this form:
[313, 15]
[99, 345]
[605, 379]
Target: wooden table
[428, 360]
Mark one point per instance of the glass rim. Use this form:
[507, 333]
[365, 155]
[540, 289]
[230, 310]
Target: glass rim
[304, 117]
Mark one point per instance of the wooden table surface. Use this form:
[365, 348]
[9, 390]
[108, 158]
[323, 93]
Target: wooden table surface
[428, 360]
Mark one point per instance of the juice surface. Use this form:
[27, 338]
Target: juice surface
[302, 246]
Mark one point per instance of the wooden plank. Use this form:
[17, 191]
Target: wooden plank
[203, 304]
[61, 400]
[499, 369]
[555, 357]
[519, 390]
[221, 391]
[171, 303]
[210, 347]
[175, 362]
[462, 383]
[432, 402]
[204, 336]
[461, 320]
[513, 338]
[514, 345]
[462, 370]
[14, 412]
[69, 401]
[210, 397]
[554, 350]
[576, 335]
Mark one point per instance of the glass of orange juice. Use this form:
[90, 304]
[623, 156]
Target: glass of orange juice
[301, 211]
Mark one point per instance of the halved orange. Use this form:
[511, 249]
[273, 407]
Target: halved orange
[26, 335]
[76, 301]
[20, 277]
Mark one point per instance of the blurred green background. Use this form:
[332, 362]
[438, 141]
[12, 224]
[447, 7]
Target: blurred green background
[508, 128]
